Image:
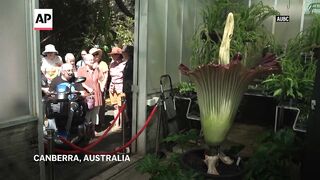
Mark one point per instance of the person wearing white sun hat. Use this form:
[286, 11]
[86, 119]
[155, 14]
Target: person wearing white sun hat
[51, 62]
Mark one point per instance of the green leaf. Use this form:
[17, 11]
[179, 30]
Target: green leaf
[277, 92]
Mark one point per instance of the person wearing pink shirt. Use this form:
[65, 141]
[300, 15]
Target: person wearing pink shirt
[92, 87]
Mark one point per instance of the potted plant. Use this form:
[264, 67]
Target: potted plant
[220, 85]
[168, 167]
[186, 89]
[276, 156]
[293, 87]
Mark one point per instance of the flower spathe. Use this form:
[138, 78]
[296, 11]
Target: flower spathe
[220, 88]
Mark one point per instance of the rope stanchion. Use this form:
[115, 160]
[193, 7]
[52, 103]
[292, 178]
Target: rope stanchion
[93, 144]
[120, 148]
[85, 150]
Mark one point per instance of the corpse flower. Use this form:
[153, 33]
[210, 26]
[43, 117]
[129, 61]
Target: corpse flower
[220, 87]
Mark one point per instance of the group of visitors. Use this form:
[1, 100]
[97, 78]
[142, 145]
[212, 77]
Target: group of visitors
[115, 78]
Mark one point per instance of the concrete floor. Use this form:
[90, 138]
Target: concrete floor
[87, 170]
[240, 133]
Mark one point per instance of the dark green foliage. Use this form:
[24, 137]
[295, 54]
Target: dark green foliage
[186, 87]
[307, 40]
[182, 138]
[248, 36]
[82, 24]
[165, 169]
[295, 82]
[277, 156]
[313, 32]
[72, 21]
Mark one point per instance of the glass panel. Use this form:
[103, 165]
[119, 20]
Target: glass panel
[312, 6]
[287, 30]
[156, 42]
[174, 32]
[268, 22]
[14, 99]
[171, 25]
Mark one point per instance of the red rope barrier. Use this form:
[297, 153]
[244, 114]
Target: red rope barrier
[93, 144]
[85, 150]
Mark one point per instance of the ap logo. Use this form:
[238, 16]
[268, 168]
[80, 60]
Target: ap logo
[42, 19]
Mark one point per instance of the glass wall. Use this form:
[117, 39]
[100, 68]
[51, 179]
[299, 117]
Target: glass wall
[20, 99]
[14, 99]
[171, 25]
[287, 30]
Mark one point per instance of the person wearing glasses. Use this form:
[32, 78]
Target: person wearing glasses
[66, 75]
[116, 84]
[92, 74]
[103, 68]
[50, 63]
[81, 63]
[69, 58]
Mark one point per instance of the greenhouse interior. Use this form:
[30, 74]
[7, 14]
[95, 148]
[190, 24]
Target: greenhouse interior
[160, 89]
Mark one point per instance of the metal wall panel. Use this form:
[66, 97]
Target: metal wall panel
[21, 121]
[269, 23]
[174, 32]
[156, 55]
[171, 24]
[14, 99]
[288, 30]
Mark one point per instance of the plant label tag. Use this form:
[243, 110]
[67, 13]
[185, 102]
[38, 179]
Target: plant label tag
[282, 18]
[42, 19]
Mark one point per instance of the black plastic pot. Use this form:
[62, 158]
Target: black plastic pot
[193, 160]
[257, 109]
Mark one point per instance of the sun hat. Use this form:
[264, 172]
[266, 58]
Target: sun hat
[115, 50]
[49, 48]
[94, 50]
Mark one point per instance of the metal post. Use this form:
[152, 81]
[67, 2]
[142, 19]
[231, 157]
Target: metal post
[123, 119]
[50, 133]
[158, 126]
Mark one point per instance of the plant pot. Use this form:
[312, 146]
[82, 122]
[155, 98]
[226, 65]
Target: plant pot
[316, 52]
[257, 109]
[193, 159]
